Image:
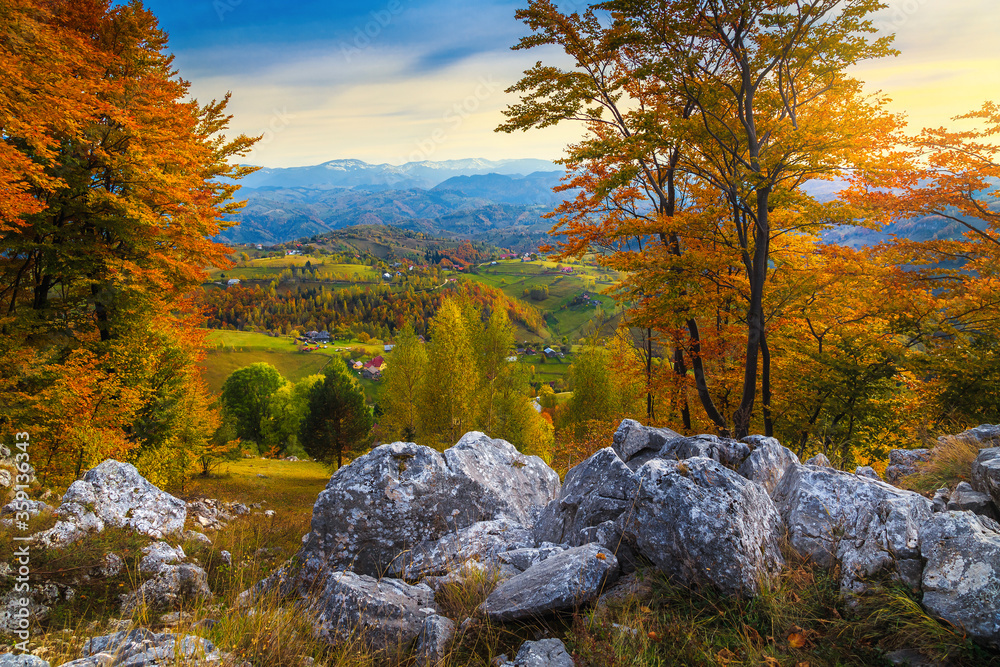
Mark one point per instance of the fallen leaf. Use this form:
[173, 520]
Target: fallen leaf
[646, 610]
[771, 662]
[795, 640]
[601, 556]
[725, 656]
[652, 635]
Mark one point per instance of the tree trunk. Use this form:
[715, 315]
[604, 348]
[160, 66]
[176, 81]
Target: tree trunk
[681, 371]
[699, 378]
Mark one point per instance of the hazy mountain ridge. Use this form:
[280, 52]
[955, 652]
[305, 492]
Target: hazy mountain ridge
[467, 198]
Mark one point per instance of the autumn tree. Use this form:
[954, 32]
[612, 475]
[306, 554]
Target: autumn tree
[725, 107]
[447, 410]
[128, 180]
[400, 392]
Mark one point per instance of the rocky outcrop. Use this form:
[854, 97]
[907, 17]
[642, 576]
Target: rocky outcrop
[114, 494]
[961, 581]
[387, 614]
[986, 434]
[595, 491]
[905, 462]
[730, 453]
[144, 648]
[767, 462]
[157, 555]
[866, 525]
[564, 581]
[705, 525]
[401, 495]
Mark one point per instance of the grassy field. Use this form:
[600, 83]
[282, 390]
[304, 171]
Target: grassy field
[230, 350]
[268, 268]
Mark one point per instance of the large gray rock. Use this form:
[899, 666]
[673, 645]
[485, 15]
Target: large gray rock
[866, 525]
[22, 660]
[482, 542]
[385, 613]
[768, 461]
[561, 582]
[115, 494]
[966, 499]
[597, 490]
[961, 580]
[401, 495]
[543, 653]
[173, 585]
[142, 648]
[986, 473]
[632, 439]
[703, 524]
[905, 462]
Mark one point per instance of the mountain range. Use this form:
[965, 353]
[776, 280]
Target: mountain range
[502, 202]
[498, 201]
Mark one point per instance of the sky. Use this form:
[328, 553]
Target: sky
[408, 80]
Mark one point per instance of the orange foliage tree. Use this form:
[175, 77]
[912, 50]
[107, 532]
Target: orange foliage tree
[121, 184]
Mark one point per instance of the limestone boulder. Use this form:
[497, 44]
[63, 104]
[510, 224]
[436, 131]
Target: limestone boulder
[705, 525]
[986, 473]
[961, 580]
[866, 525]
[172, 586]
[542, 653]
[482, 542]
[386, 614]
[402, 495]
[966, 499]
[595, 491]
[767, 462]
[561, 582]
[633, 441]
[22, 660]
[819, 460]
[115, 494]
[434, 641]
[728, 452]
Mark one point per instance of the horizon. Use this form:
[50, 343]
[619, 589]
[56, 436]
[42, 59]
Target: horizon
[400, 81]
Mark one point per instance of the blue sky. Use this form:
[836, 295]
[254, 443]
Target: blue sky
[401, 80]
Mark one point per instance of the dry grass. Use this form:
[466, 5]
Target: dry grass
[950, 463]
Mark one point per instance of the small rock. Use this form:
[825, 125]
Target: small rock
[434, 640]
[111, 565]
[195, 536]
[940, 501]
[867, 471]
[967, 499]
[157, 555]
[175, 618]
[905, 462]
[564, 581]
[632, 439]
[174, 584]
[226, 557]
[543, 653]
[986, 472]
[819, 460]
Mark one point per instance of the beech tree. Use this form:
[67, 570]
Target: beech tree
[703, 118]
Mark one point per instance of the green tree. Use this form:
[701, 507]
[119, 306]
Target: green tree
[286, 408]
[338, 421]
[401, 388]
[245, 395]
